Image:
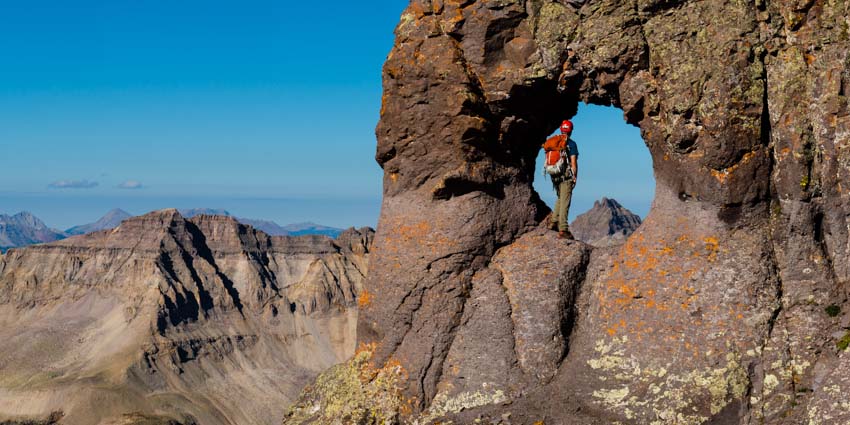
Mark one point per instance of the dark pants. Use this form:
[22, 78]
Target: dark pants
[564, 190]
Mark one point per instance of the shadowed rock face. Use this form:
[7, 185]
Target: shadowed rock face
[606, 224]
[713, 311]
[165, 320]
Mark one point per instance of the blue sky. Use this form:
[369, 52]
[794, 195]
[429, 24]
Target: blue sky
[154, 104]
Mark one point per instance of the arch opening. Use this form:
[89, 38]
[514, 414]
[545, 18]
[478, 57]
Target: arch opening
[615, 178]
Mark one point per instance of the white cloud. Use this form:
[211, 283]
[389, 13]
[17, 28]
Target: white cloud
[72, 184]
[131, 184]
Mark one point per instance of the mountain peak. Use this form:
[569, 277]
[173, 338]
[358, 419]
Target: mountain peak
[117, 212]
[164, 216]
[24, 228]
[27, 218]
[111, 219]
[606, 202]
[607, 223]
[144, 232]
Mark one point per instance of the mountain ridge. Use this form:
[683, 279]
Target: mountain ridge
[24, 228]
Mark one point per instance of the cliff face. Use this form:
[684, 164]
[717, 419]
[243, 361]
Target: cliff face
[714, 311]
[167, 319]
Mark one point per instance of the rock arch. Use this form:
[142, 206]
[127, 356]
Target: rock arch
[711, 312]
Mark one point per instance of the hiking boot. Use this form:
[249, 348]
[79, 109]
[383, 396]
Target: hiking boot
[565, 234]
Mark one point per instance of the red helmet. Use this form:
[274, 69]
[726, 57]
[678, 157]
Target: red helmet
[567, 126]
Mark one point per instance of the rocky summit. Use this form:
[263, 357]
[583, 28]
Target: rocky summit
[168, 320]
[607, 223]
[727, 306]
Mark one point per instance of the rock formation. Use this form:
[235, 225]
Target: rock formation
[109, 221]
[165, 320]
[607, 223]
[726, 306]
[25, 229]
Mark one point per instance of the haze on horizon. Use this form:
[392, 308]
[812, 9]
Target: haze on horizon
[262, 110]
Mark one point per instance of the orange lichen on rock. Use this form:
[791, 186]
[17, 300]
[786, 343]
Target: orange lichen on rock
[364, 299]
[722, 175]
[417, 10]
[365, 348]
[712, 245]
[653, 281]
[810, 58]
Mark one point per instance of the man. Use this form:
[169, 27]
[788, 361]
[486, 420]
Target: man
[564, 181]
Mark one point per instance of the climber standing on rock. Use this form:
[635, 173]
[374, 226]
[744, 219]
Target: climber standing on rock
[561, 164]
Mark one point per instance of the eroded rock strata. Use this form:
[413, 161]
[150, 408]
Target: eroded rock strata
[167, 320]
[726, 306]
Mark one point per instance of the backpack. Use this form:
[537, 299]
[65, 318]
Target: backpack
[556, 155]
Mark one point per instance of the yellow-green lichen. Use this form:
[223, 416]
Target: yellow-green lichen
[770, 383]
[405, 22]
[352, 392]
[443, 404]
[830, 409]
[844, 342]
[671, 398]
[555, 27]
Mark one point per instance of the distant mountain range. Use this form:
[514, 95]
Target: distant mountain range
[24, 229]
[269, 227]
[191, 212]
[111, 220]
[308, 228]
